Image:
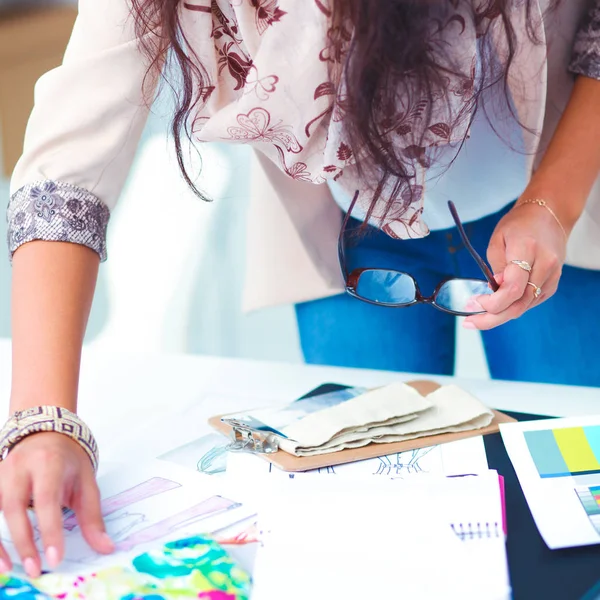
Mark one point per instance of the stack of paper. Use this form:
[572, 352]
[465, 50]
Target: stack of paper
[405, 508]
[329, 538]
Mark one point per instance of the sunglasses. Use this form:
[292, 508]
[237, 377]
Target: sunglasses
[397, 289]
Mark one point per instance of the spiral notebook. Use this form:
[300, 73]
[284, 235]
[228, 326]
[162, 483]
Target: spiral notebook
[482, 515]
[442, 532]
[477, 514]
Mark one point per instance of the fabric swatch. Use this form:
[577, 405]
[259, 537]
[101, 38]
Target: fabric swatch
[195, 567]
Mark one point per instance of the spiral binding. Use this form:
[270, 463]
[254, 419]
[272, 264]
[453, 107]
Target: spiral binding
[475, 531]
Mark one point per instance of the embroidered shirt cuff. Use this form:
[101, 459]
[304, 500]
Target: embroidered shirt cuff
[57, 212]
[586, 52]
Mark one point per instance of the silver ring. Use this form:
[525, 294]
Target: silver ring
[537, 291]
[522, 264]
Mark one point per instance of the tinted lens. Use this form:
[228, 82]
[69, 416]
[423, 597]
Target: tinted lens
[386, 287]
[458, 294]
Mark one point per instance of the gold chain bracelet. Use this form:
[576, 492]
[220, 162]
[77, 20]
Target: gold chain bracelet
[543, 204]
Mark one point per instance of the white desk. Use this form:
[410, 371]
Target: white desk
[124, 392]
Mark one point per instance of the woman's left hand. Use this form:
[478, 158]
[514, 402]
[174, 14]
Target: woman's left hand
[527, 233]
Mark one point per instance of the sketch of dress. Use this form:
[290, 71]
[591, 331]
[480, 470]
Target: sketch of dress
[209, 508]
[119, 525]
[207, 454]
[142, 491]
[328, 470]
[404, 463]
[130, 540]
[214, 461]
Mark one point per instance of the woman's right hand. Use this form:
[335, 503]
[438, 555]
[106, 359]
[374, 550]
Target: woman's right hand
[55, 472]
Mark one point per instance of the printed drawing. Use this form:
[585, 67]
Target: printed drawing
[113, 504]
[209, 508]
[118, 526]
[404, 463]
[127, 540]
[328, 470]
[125, 522]
[207, 454]
[396, 465]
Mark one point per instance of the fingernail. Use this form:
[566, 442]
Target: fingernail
[106, 539]
[31, 568]
[473, 306]
[4, 568]
[469, 325]
[52, 557]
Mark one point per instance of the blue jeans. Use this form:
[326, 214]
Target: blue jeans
[556, 342]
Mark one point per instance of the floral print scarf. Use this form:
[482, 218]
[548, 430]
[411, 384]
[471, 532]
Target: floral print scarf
[270, 65]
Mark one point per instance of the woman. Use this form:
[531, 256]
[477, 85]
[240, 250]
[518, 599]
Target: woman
[427, 95]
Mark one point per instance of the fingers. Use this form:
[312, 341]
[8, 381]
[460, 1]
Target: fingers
[47, 499]
[5, 562]
[515, 278]
[15, 500]
[87, 507]
[544, 275]
[490, 320]
[496, 253]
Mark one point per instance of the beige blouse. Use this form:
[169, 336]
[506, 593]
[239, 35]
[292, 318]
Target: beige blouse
[269, 64]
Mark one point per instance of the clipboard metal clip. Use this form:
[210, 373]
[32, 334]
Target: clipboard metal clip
[246, 439]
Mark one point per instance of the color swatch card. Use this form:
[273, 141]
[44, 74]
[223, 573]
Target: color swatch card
[557, 462]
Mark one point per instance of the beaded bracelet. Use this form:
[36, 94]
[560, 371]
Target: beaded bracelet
[47, 418]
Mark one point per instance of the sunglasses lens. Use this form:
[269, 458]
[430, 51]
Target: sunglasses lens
[459, 295]
[386, 287]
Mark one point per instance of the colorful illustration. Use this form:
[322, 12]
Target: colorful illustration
[590, 500]
[565, 452]
[12, 588]
[238, 534]
[196, 567]
[124, 528]
[208, 508]
[142, 491]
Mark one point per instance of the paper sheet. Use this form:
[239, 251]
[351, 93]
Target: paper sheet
[206, 454]
[144, 506]
[185, 430]
[332, 538]
[557, 462]
[455, 458]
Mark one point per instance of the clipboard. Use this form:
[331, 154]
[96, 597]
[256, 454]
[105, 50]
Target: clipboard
[288, 462]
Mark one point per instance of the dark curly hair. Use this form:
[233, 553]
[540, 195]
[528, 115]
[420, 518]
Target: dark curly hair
[385, 50]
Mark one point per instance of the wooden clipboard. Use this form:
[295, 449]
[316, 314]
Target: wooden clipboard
[294, 464]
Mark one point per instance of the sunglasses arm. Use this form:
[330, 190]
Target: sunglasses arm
[465, 240]
[341, 250]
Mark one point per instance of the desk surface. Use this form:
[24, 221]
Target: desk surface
[124, 393]
[120, 391]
